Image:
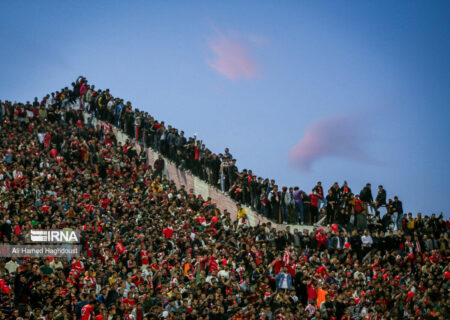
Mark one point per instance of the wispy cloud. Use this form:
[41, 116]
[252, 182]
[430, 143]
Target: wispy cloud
[232, 57]
[330, 137]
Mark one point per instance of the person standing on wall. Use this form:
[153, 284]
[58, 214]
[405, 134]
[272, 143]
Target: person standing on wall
[224, 179]
[285, 201]
[298, 202]
[306, 208]
[314, 198]
[275, 201]
[380, 200]
[159, 165]
[331, 205]
[319, 191]
[366, 196]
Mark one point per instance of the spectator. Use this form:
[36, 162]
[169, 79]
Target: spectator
[366, 196]
[319, 191]
[397, 213]
[274, 200]
[381, 197]
[332, 204]
[224, 174]
[299, 210]
[314, 209]
[159, 166]
[284, 280]
[285, 204]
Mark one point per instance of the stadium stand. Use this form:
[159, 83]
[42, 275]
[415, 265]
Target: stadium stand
[186, 247]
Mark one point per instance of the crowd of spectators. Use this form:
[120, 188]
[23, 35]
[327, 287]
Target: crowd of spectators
[151, 250]
[282, 205]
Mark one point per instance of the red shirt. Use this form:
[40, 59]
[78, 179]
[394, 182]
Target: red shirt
[83, 90]
[105, 202]
[311, 291]
[314, 200]
[435, 258]
[321, 240]
[277, 266]
[154, 266]
[129, 302]
[358, 205]
[86, 312]
[47, 139]
[139, 315]
[137, 281]
[78, 266]
[89, 208]
[120, 248]
[212, 265]
[144, 257]
[168, 232]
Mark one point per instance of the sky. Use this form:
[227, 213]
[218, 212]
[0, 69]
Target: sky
[300, 91]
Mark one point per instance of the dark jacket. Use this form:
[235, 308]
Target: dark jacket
[366, 194]
[334, 242]
[397, 206]
[381, 197]
[159, 164]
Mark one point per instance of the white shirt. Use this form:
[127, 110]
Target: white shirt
[284, 283]
[41, 137]
[55, 265]
[17, 174]
[11, 266]
[50, 101]
[210, 278]
[223, 273]
[366, 241]
[338, 243]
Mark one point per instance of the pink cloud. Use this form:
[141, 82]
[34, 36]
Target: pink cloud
[329, 137]
[232, 58]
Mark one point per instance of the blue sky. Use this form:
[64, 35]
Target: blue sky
[337, 80]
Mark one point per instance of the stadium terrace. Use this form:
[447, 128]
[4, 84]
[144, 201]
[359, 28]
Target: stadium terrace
[155, 250]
